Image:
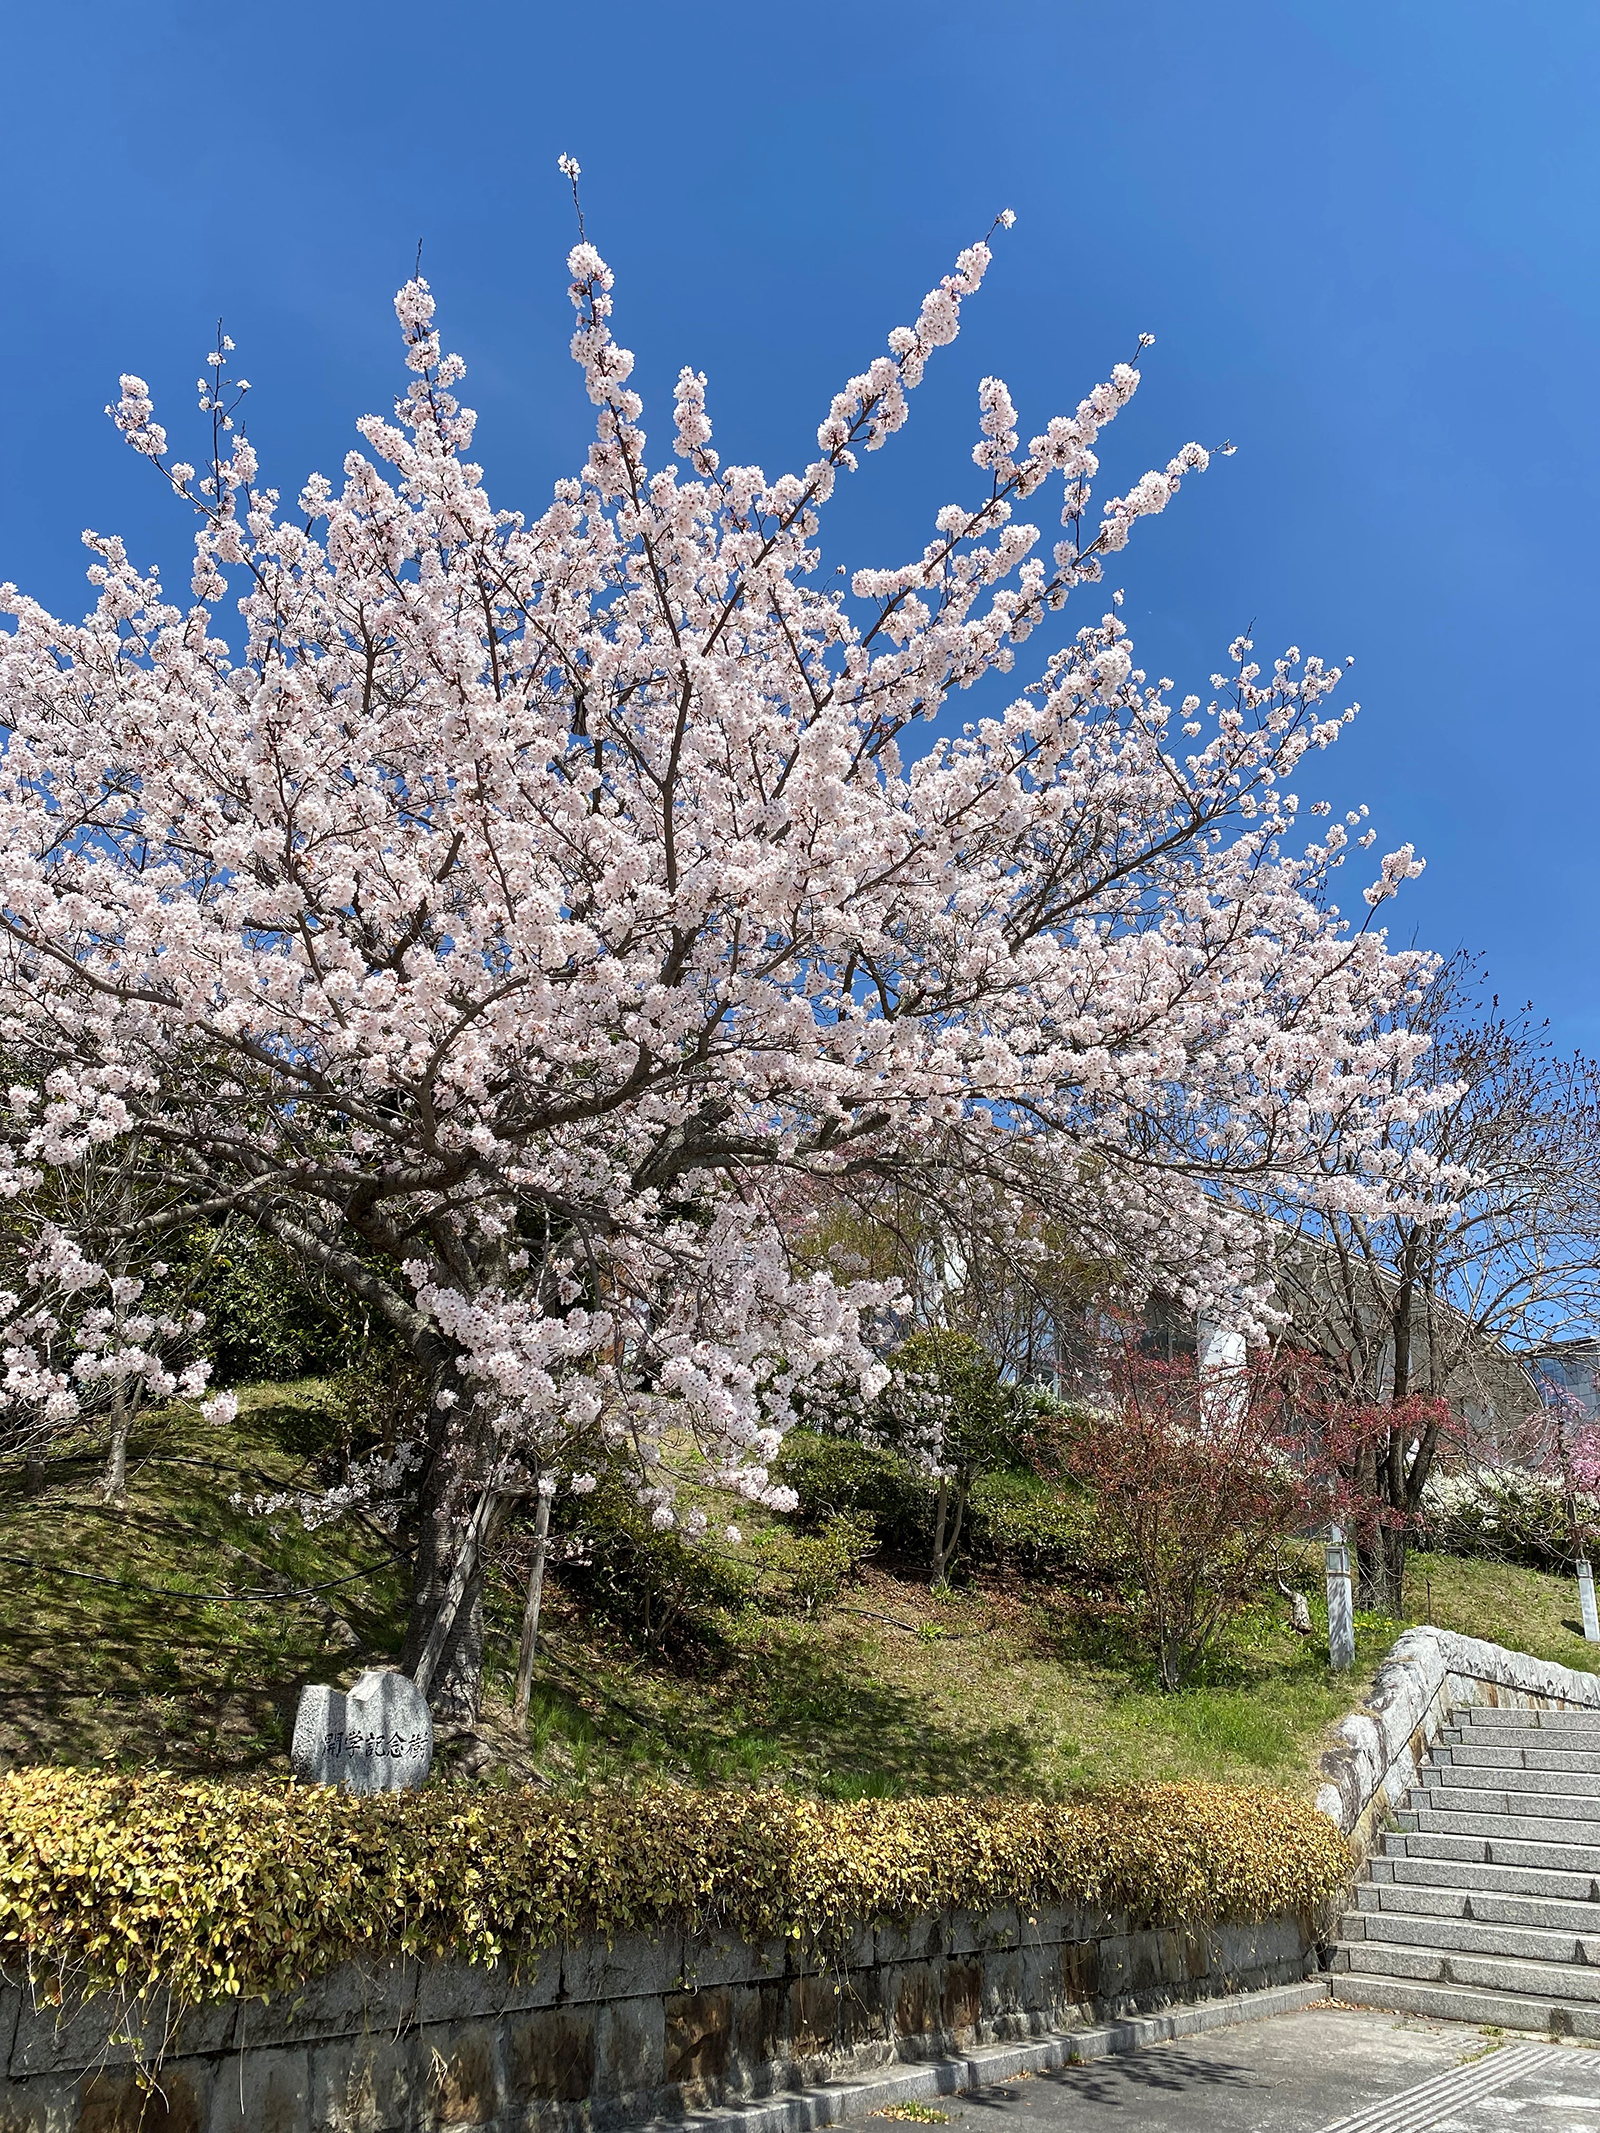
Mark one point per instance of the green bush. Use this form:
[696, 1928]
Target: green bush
[840, 1477]
[799, 1571]
[268, 1316]
[666, 1590]
[1015, 1521]
[662, 1591]
[147, 1884]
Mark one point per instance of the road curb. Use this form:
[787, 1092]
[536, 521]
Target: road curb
[830, 2103]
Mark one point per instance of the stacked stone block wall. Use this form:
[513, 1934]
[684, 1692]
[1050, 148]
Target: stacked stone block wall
[600, 2035]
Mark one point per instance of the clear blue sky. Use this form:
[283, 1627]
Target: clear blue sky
[1365, 234]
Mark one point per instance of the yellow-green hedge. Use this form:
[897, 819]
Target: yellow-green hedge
[135, 1883]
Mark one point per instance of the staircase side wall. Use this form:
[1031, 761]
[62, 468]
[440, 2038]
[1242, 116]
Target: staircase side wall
[1429, 1673]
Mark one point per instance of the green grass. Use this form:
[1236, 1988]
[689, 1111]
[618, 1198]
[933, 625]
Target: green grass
[1523, 1609]
[136, 1671]
[994, 1686]
[1013, 1697]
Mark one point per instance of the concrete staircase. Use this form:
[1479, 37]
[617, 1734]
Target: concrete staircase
[1484, 1905]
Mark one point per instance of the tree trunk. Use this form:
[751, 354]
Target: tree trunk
[1394, 1570]
[947, 1527]
[1169, 1663]
[451, 1496]
[936, 1567]
[36, 1475]
[952, 1545]
[530, 1614]
[1400, 1330]
[1369, 1562]
[1381, 1572]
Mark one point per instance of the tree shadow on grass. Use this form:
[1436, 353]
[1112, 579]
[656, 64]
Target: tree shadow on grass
[800, 1712]
[175, 1632]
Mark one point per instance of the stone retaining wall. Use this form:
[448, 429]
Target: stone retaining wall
[1427, 1675]
[602, 2035]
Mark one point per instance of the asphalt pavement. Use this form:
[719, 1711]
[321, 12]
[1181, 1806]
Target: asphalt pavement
[1306, 2073]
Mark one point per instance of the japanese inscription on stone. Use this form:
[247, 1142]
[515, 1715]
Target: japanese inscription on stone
[375, 1737]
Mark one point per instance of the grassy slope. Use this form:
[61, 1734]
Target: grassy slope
[895, 1690]
[987, 1689]
[93, 1673]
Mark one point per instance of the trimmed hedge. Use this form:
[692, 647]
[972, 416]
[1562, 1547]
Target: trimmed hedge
[141, 1883]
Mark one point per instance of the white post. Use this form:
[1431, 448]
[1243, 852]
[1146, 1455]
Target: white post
[530, 1610]
[1341, 1605]
[1591, 1621]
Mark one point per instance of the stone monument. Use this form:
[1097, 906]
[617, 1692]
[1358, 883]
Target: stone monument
[375, 1737]
[1591, 1621]
[1341, 1604]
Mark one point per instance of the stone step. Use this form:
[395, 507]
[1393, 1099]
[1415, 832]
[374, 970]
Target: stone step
[1471, 1755]
[1520, 1714]
[1493, 1851]
[1472, 1875]
[1552, 1784]
[1503, 1802]
[1471, 1936]
[1586, 1724]
[1550, 1913]
[1557, 1983]
[1585, 1746]
[1467, 2003]
[1468, 1821]
[1576, 1740]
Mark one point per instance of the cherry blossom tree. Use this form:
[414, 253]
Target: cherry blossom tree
[95, 1327]
[531, 921]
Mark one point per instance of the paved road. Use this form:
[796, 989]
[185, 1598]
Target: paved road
[1297, 2073]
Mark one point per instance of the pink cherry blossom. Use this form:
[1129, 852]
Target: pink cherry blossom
[535, 920]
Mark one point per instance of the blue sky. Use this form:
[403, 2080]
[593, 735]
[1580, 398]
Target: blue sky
[1365, 235]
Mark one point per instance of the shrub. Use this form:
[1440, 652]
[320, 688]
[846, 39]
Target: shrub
[1014, 1520]
[665, 1590]
[1198, 1478]
[840, 1477]
[800, 1571]
[268, 1315]
[145, 1884]
[349, 1426]
[1017, 1522]
[661, 1590]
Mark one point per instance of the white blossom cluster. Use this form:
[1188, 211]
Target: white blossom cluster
[56, 1357]
[1511, 1512]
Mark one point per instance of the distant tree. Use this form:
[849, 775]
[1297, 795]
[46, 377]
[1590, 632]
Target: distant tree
[1200, 1480]
[98, 1325]
[964, 1261]
[1492, 1246]
[945, 1403]
[1559, 1441]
